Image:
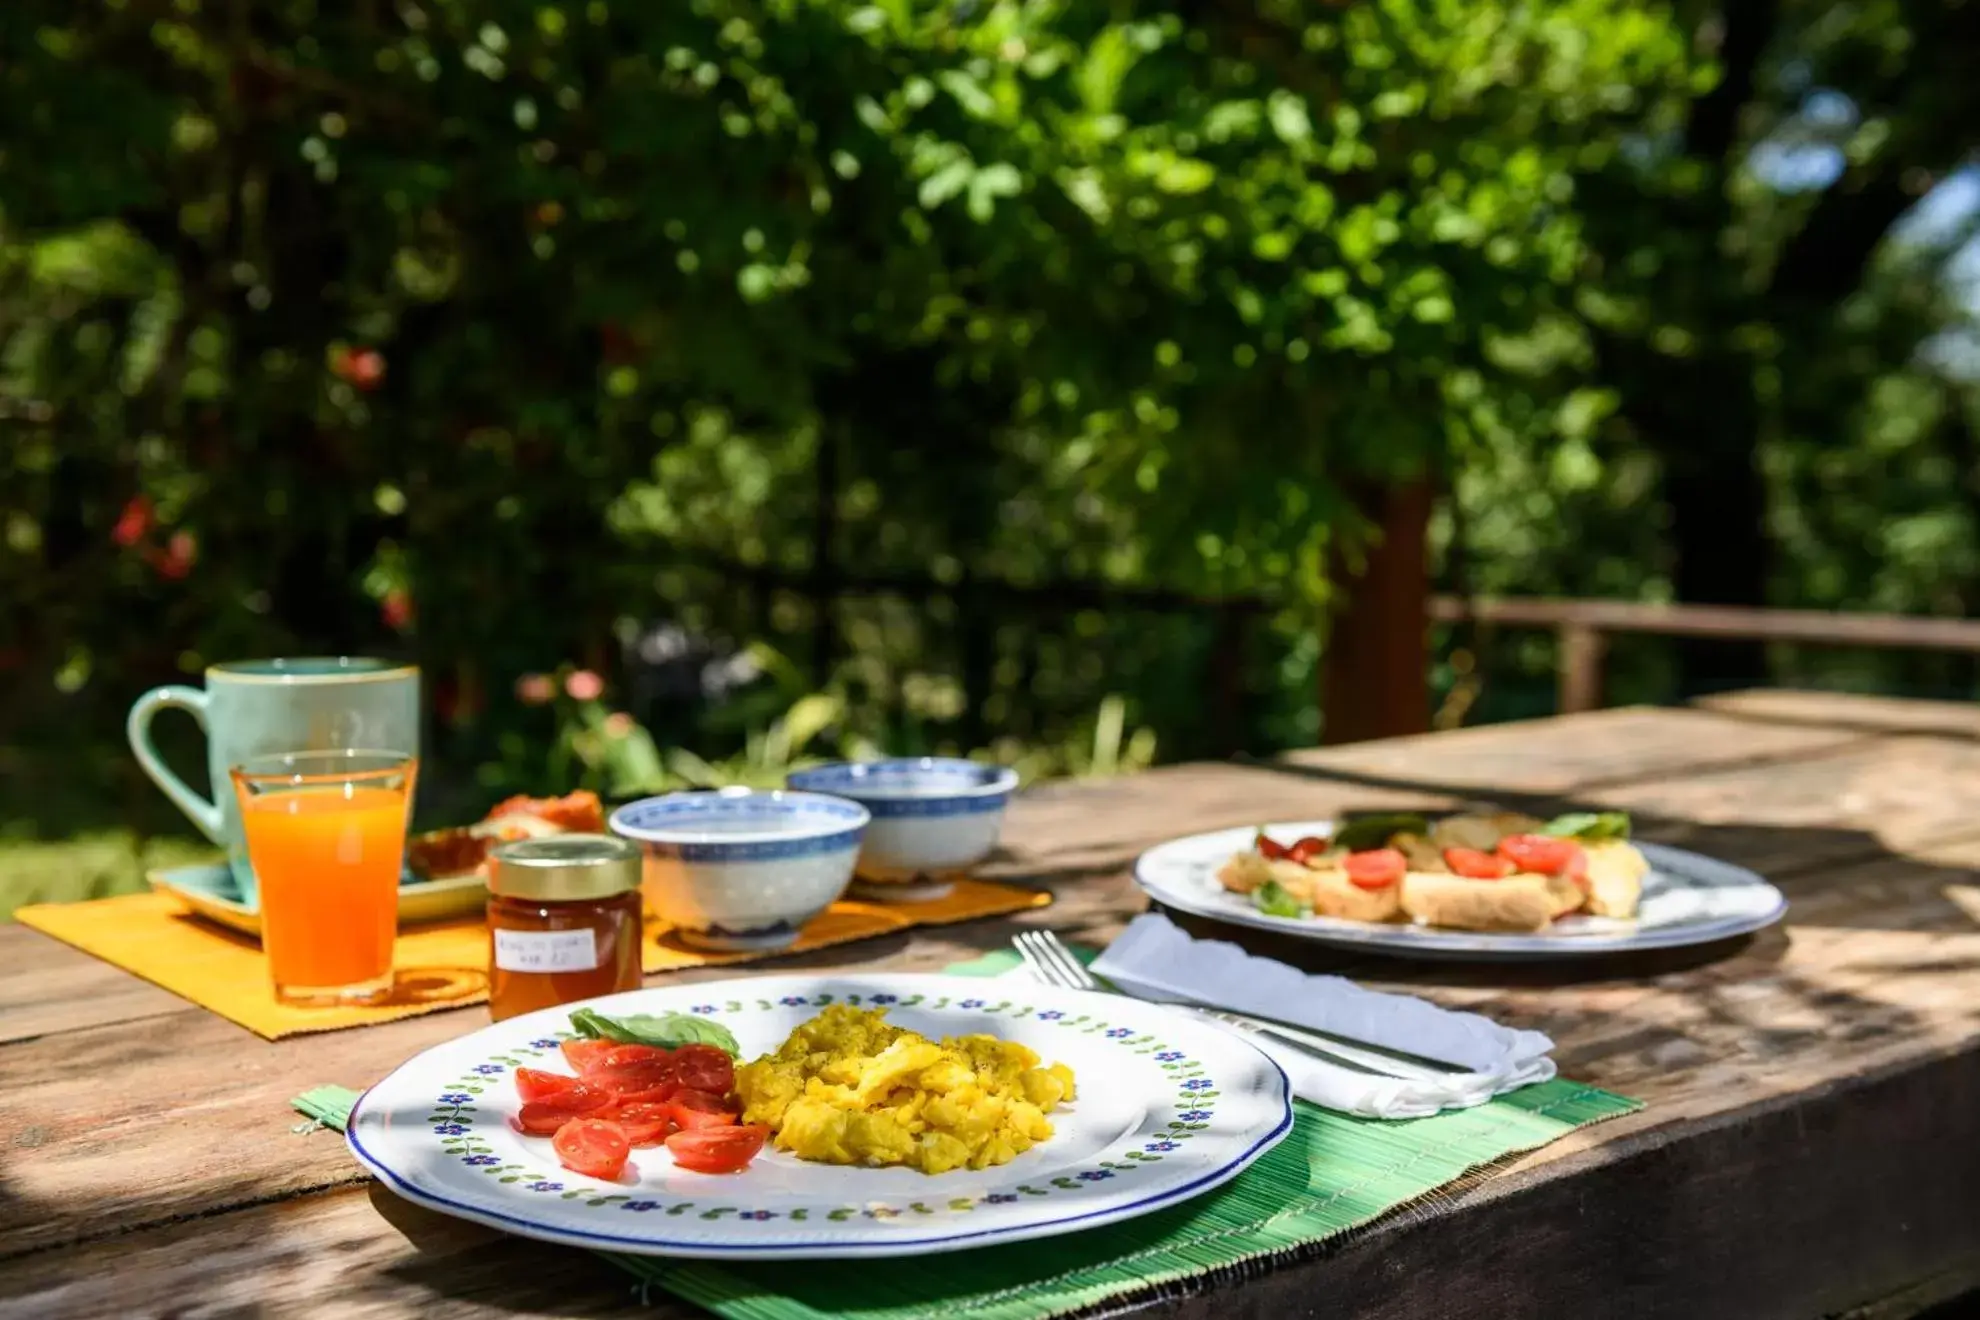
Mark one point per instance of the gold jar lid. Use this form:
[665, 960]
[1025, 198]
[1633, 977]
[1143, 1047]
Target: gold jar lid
[562, 867]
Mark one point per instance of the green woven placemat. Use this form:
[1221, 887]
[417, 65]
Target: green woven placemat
[1332, 1173]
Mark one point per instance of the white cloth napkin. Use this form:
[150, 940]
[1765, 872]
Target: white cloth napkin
[1154, 959]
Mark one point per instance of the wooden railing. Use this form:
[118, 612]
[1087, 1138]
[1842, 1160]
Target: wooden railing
[1583, 626]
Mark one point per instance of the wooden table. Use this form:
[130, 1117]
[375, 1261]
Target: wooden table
[1811, 1143]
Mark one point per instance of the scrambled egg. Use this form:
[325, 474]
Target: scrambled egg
[847, 1088]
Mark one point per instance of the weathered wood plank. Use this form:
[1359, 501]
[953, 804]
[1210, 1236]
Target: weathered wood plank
[1574, 751]
[1891, 794]
[357, 1251]
[1813, 627]
[1841, 710]
[47, 987]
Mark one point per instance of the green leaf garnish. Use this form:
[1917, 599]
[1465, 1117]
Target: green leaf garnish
[1273, 899]
[668, 1031]
[1589, 826]
[1360, 833]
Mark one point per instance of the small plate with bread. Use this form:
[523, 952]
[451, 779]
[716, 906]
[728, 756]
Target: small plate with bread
[1478, 884]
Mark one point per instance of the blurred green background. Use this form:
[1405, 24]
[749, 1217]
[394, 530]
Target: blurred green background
[694, 388]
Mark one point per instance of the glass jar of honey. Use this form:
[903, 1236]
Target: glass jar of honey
[563, 921]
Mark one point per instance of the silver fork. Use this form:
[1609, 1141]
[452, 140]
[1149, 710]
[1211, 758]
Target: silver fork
[1054, 964]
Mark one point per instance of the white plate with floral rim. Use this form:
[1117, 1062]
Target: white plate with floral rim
[1687, 899]
[1168, 1107]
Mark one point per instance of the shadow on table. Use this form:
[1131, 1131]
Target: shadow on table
[458, 1260]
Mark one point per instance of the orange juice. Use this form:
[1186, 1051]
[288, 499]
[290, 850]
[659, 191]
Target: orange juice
[327, 862]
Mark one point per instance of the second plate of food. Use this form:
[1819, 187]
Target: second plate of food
[1045, 1111]
[1473, 886]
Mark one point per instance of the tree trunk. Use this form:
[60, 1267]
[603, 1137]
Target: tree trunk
[1375, 671]
[1717, 497]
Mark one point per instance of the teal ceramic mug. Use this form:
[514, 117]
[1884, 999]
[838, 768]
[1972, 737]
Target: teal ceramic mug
[257, 707]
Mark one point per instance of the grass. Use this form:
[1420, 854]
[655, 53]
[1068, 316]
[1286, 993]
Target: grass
[92, 865]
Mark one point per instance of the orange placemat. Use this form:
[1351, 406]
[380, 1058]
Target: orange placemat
[442, 965]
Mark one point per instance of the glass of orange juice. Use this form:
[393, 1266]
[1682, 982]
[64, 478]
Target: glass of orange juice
[326, 835]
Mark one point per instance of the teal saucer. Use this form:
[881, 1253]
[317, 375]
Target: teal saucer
[210, 891]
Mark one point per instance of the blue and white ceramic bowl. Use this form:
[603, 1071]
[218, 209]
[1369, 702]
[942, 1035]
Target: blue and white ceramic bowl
[740, 869]
[933, 818]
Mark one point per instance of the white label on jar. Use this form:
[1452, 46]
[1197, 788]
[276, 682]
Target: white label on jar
[546, 950]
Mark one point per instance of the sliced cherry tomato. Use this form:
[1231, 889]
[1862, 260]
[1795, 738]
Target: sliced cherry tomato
[1310, 846]
[584, 1055]
[632, 1081]
[705, 1068]
[1577, 868]
[541, 1118]
[717, 1149]
[645, 1123]
[592, 1147]
[652, 1095]
[1538, 852]
[533, 1084]
[699, 1109]
[1271, 848]
[1476, 865]
[1377, 868]
[637, 1056]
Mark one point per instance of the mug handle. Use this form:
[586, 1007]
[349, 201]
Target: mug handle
[138, 728]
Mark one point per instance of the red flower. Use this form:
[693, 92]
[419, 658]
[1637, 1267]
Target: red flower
[133, 522]
[176, 560]
[396, 608]
[584, 685]
[362, 367]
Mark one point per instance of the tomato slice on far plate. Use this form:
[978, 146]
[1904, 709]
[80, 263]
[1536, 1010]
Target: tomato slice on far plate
[717, 1149]
[699, 1109]
[1539, 852]
[1310, 846]
[645, 1123]
[1377, 868]
[1476, 865]
[533, 1084]
[592, 1147]
[1577, 868]
[584, 1055]
[705, 1068]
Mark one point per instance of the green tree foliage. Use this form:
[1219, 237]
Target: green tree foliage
[1756, 312]
[487, 330]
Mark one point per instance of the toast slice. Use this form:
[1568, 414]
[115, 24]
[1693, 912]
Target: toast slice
[1523, 902]
[1325, 889]
[1332, 894]
[1615, 878]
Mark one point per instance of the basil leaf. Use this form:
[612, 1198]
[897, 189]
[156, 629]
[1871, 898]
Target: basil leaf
[1273, 900]
[1359, 833]
[669, 1031]
[1589, 826]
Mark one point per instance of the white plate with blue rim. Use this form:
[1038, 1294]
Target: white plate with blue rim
[934, 817]
[1688, 899]
[1167, 1107]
